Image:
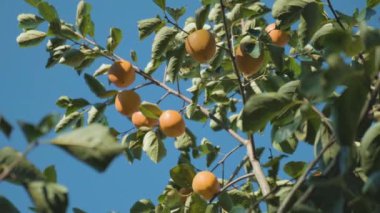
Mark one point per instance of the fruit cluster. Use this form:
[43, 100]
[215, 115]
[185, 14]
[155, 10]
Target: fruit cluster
[201, 46]
[127, 102]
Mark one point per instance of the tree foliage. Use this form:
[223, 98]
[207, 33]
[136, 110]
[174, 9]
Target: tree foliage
[321, 89]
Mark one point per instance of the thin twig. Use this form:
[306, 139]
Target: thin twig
[232, 183]
[163, 97]
[286, 204]
[226, 156]
[335, 14]
[142, 85]
[8, 169]
[237, 169]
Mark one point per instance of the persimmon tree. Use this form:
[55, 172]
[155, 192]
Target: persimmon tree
[311, 77]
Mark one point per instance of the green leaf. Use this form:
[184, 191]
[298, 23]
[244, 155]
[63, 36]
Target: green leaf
[7, 206]
[201, 16]
[83, 19]
[68, 120]
[176, 13]
[277, 56]
[30, 38]
[23, 171]
[31, 132]
[154, 147]
[193, 112]
[34, 3]
[295, 168]
[5, 127]
[148, 26]
[288, 11]
[150, 110]
[134, 142]
[262, 108]
[195, 204]
[78, 210]
[48, 197]
[311, 19]
[372, 185]
[97, 88]
[331, 36]
[96, 113]
[290, 88]
[212, 208]
[225, 201]
[48, 12]
[240, 197]
[29, 21]
[68, 31]
[183, 175]
[372, 3]
[133, 55]
[50, 174]
[161, 41]
[48, 122]
[72, 58]
[142, 206]
[370, 149]
[160, 3]
[153, 65]
[348, 108]
[94, 145]
[175, 63]
[185, 141]
[114, 39]
[102, 70]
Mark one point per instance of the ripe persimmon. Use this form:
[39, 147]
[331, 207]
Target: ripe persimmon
[246, 63]
[121, 73]
[172, 123]
[127, 102]
[201, 45]
[205, 184]
[278, 37]
[140, 120]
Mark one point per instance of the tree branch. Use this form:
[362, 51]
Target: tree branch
[226, 156]
[286, 204]
[250, 145]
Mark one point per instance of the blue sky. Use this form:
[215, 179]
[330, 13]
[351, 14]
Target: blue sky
[28, 92]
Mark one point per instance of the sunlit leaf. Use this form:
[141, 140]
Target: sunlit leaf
[29, 21]
[68, 120]
[183, 175]
[83, 19]
[295, 168]
[114, 39]
[148, 26]
[48, 197]
[150, 110]
[30, 38]
[94, 145]
[161, 41]
[23, 171]
[154, 147]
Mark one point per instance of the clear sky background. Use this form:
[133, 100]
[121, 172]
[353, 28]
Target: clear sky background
[28, 92]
